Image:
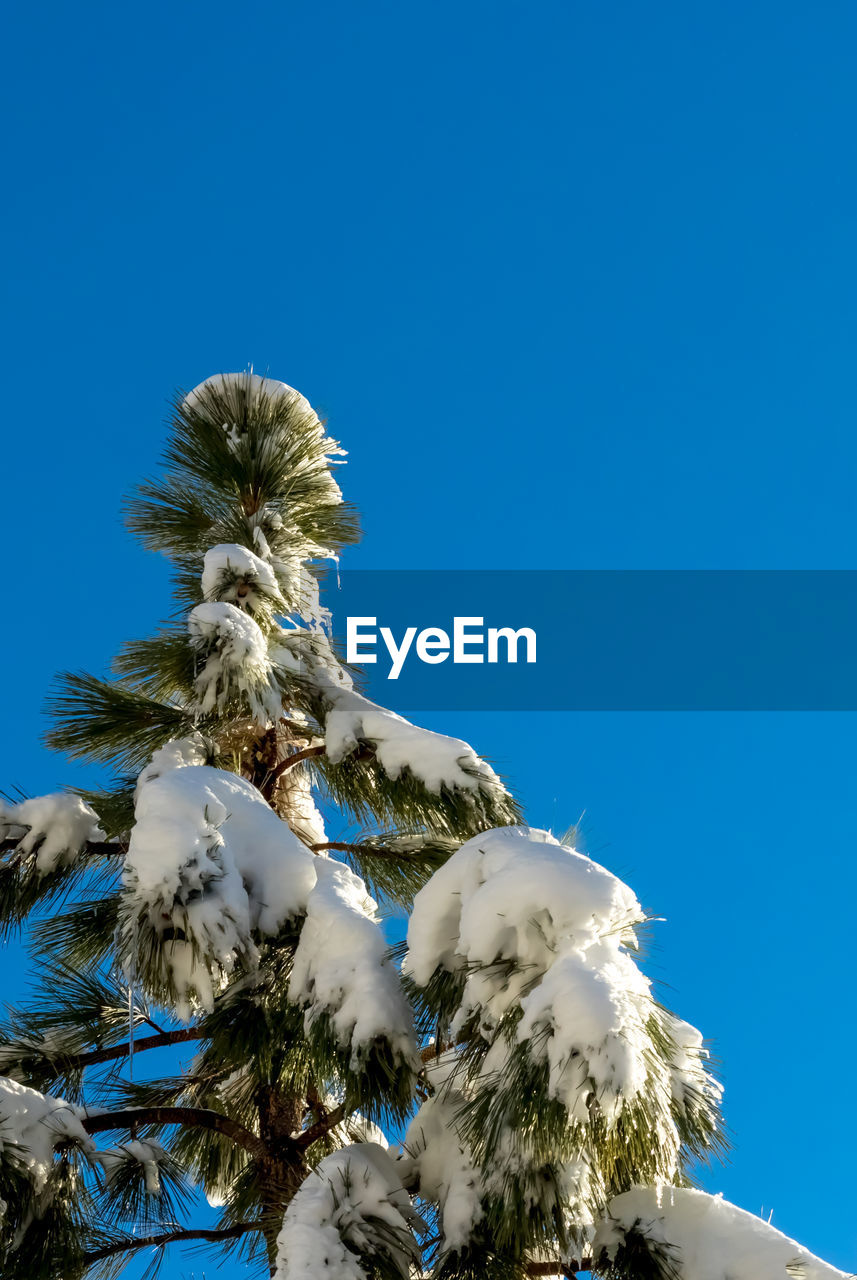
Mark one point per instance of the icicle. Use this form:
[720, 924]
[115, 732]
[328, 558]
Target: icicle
[130, 1030]
[131, 1019]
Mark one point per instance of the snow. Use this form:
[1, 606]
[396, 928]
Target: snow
[596, 1015]
[353, 1203]
[208, 856]
[439, 1158]
[356, 1128]
[240, 640]
[307, 594]
[174, 754]
[341, 966]
[55, 828]
[532, 925]
[148, 1154]
[438, 761]
[251, 382]
[308, 653]
[230, 568]
[33, 1124]
[447, 1173]
[688, 1078]
[237, 661]
[712, 1239]
[499, 894]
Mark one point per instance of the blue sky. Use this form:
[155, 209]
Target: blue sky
[575, 285]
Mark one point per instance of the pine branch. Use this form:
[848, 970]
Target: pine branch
[193, 1117]
[340, 846]
[567, 1269]
[95, 848]
[108, 723]
[94, 1057]
[133, 1243]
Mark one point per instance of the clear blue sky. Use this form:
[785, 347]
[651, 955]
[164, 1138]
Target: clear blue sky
[576, 285]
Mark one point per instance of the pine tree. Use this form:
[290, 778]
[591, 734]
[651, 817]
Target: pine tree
[548, 1112]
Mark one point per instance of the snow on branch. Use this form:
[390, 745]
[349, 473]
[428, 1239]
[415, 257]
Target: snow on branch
[208, 862]
[702, 1237]
[520, 948]
[211, 867]
[351, 721]
[441, 1164]
[536, 929]
[258, 396]
[350, 1215]
[235, 574]
[51, 830]
[33, 1125]
[276, 457]
[435, 759]
[236, 665]
[341, 967]
[148, 1155]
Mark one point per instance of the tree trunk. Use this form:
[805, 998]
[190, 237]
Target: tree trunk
[282, 1170]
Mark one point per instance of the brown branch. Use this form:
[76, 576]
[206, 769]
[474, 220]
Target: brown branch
[363, 752]
[77, 1061]
[194, 1117]
[169, 1237]
[306, 753]
[322, 1126]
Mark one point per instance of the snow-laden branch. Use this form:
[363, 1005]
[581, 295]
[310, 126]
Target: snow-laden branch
[211, 866]
[525, 949]
[703, 1237]
[94, 848]
[33, 1125]
[352, 1208]
[341, 968]
[211, 862]
[189, 1117]
[52, 830]
[436, 760]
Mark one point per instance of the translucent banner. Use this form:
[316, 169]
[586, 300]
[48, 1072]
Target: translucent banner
[585, 640]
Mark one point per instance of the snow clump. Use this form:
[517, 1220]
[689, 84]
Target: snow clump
[236, 661]
[352, 1204]
[33, 1125]
[211, 866]
[535, 929]
[54, 828]
[238, 576]
[706, 1238]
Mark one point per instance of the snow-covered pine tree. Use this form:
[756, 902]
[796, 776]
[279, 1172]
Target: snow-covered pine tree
[546, 1108]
